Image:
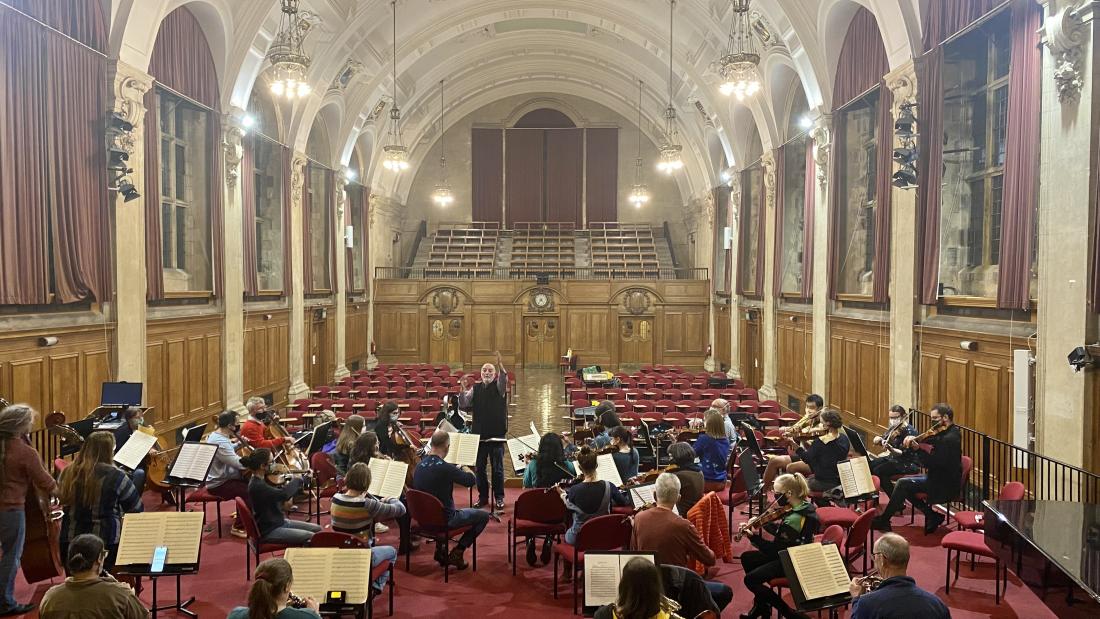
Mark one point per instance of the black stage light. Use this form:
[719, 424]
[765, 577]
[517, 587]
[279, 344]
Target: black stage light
[119, 122]
[128, 191]
[1079, 358]
[905, 155]
[906, 177]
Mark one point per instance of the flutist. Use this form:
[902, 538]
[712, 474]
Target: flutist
[894, 459]
[891, 594]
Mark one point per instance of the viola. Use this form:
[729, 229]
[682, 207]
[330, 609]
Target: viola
[773, 513]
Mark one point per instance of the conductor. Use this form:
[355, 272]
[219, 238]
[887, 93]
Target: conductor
[488, 404]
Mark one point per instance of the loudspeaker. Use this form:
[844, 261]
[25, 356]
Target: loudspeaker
[542, 279]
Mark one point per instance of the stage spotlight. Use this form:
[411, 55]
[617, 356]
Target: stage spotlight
[118, 121]
[905, 155]
[128, 191]
[906, 177]
[1079, 358]
[903, 126]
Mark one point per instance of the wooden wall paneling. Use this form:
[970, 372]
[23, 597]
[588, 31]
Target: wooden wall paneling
[589, 334]
[266, 361]
[859, 376]
[492, 329]
[752, 348]
[722, 354]
[184, 368]
[794, 343]
[683, 334]
[355, 335]
[397, 330]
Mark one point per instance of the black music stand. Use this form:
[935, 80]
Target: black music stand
[754, 485]
[749, 434]
[193, 434]
[317, 438]
[856, 441]
[176, 570]
[179, 483]
[802, 605]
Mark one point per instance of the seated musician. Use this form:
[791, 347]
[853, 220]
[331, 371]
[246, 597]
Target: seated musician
[355, 512]
[225, 479]
[606, 418]
[625, 455]
[640, 596]
[673, 539]
[20, 471]
[365, 448]
[713, 449]
[897, 596]
[268, 500]
[87, 592]
[690, 476]
[437, 477]
[95, 494]
[899, 461]
[255, 428]
[133, 418]
[353, 427]
[591, 497]
[549, 465]
[777, 463]
[383, 425]
[944, 473]
[269, 596]
[722, 405]
[819, 458]
[794, 529]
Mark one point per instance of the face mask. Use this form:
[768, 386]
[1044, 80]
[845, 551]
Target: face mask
[895, 422]
[782, 500]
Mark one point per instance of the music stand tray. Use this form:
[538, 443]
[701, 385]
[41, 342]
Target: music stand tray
[802, 605]
[317, 438]
[856, 440]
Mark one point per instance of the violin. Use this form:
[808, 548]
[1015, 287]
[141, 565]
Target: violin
[930, 432]
[806, 421]
[806, 435]
[773, 513]
[889, 436]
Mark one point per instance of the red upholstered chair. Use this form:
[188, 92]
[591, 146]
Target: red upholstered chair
[537, 512]
[770, 406]
[428, 520]
[788, 418]
[842, 516]
[857, 541]
[252, 531]
[736, 494]
[609, 532]
[59, 464]
[580, 403]
[203, 496]
[968, 520]
[769, 419]
[967, 465]
[834, 534]
[676, 418]
[974, 544]
[748, 393]
[324, 478]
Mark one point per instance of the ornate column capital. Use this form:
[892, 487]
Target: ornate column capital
[297, 178]
[822, 135]
[902, 83]
[232, 135]
[735, 195]
[708, 209]
[128, 87]
[1067, 37]
[767, 161]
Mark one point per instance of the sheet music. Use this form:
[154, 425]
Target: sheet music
[181, 532]
[535, 431]
[602, 573]
[463, 451]
[320, 570]
[193, 461]
[135, 449]
[520, 445]
[606, 469]
[820, 570]
[387, 477]
[855, 477]
[643, 495]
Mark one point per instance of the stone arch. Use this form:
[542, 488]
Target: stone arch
[540, 103]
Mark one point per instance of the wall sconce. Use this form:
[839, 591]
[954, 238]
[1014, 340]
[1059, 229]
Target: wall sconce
[48, 340]
[970, 345]
[267, 316]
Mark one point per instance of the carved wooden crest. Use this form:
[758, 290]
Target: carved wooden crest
[445, 300]
[637, 301]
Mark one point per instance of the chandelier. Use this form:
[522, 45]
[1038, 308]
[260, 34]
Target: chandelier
[740, 67]
[395, 157]
[289, 62]
[443, 196]
[639, 195]
[669, 160]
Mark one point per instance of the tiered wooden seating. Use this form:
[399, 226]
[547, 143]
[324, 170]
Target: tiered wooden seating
[540, 247]
[468, 251]
[624, 250]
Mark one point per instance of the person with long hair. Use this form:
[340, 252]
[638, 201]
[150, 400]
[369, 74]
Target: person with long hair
[354, 512]
[591, 497]
[269, 595]
[625, 455]
[641, 594]
[383, 425]
[713, 449]
[353, 427]
[268, 500]
[132, 419]
[20, 469]
[365, 448]
[95, 493]
[606, 419]
[546, 469]
[87, 593]
[822, 455]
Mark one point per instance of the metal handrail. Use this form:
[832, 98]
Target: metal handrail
[499, 273]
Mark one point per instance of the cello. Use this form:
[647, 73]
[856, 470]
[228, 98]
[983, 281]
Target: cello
[406, 450]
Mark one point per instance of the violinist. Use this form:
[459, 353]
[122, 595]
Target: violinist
[226, 479]
[22, 468]
[364, 448]
[132, 419]
[95, 494]
[353, 427]
[268, 497]
[897, 595]
[255, 428]
[549, 465]
[590, 497]
[777, 463]
[270, 597]
[713, 449]
[606, 419]
[690, 476]
[673, 539]
[488, 402]
[623, 452]
[383, 427]
[438, 477]
[797, 526]
[722, 405]
[899, 461]
[823, 455]
[942, 481]
[88, 593]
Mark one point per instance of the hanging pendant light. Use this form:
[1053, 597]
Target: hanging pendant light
[740, 66]
[289, 62]
[395, 157]
[443, 196]
[670, 160]
[639, 194]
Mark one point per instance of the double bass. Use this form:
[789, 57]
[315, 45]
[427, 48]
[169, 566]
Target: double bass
[42, 541]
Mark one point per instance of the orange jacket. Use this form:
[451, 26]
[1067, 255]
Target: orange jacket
[257, 435]
[709, 518]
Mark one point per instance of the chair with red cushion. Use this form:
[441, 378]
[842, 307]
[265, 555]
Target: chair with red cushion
[609, 532]
[834, 534]
[857, 541]
[203, 496]
[580, 403]
[770, 406]
[842, 516]
[736, 494]
[325, 483]
[967, 465]
[254, 547]
[538, 512]
[970, 521]
[676, 418]
[747, 393]
[428, 520]
[973, 543]
[59, 464]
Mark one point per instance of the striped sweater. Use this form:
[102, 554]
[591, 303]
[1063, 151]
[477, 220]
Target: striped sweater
[357, 514]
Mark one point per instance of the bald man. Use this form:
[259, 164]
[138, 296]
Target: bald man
[487, 400]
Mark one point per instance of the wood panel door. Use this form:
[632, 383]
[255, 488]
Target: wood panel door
[540, 342]
[752, 357]
[635, 340]
[317, 353]
[445, 340]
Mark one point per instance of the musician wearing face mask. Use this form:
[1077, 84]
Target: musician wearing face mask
[895, 596]
[255, 430]
[777, 463]
[900, 461]
[268, 499]
[132, 419]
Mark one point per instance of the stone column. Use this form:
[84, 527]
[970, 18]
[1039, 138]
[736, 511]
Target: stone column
[709, 251]
[372, 262]
[296, 346]
[1065, 410]
[822, 136]
[128, 87]
[340, 286]
[731, 277]
[233, 250]
[770, 352]
[904, 305]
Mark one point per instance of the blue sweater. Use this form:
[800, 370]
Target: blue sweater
[899, 598]
[712, 453]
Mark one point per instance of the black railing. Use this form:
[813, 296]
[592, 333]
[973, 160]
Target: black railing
[997, 463]
[587, 273]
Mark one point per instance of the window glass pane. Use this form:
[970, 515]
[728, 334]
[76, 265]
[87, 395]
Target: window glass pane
[181, 172]
[181, 238]
[791, 265]
[856, 197]
[167, 256]
[166, 168]
[752, 185]
[319, 228]
[269, 214]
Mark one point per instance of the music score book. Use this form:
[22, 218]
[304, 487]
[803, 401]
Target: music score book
[855, 477]
[320, 570]
[135, 449]
[180, 532]
[819, 570]
[463, 451]
[643, 495]
[193, 462]
[387, 477]
[602, 572]
[520, 445]
[606, 469]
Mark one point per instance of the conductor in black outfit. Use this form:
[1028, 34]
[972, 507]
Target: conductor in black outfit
[487, 400]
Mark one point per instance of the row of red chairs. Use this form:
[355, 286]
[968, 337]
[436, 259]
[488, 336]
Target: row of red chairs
[677, 382]
[633, 393]
[666, 405]
[367, 408]
[382, 392]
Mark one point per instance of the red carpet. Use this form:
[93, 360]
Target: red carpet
[493, 591]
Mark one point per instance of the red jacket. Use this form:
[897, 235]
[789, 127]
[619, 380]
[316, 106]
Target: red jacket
[709, 518]
[256, 434]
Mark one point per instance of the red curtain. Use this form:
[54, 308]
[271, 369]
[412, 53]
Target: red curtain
[943, 18]
[930, 171]
[154, 261]
[83, 20]
[523, 175]
[215, 187]
[564, 175]
[602, 171]
[248, 214]
[780, 195]
[1021, 158]
[181, 59]
[808, 215]
[487, 164]
[862, 61]
[357, 202]
[761, 234]
[744, 232]
[330, 221]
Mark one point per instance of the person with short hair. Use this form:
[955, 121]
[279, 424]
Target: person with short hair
[225, 479]
[488, 402]
[255, 429]
[899, 461]
[641, 594]
[132, 419]
[87, 593]
[625, 455]
[673, 539]
[355, 512]
[722, 405]
[268, 500]
[438, 477]
[713, 449]
[897, 595]
[269, 595]
[690, 475]
[823, 455]
[788, 462]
